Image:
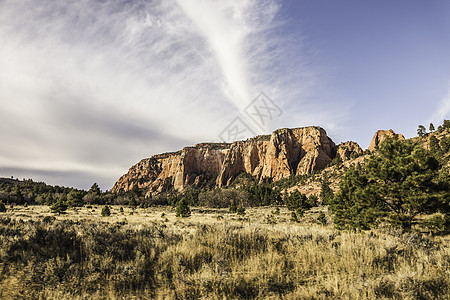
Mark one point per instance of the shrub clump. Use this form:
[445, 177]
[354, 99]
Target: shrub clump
[58, 207]
[106, 211]
[182, 209]
[2, 207]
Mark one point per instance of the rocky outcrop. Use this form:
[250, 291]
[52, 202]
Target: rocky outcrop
[192, 165]
[285, 152]
[382, 135]
[295, 151]
[348, 150]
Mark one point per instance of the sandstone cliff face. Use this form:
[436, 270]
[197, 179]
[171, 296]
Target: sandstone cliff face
[295, 151]
[382, 135]
[346, 150]
[192, 165]
[285, 152]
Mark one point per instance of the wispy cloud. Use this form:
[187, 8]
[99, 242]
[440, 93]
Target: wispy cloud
[91, 87]
[443, 110]
[227, 26]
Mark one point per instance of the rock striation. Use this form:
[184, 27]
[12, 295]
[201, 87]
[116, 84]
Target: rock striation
[382, 135]
[286, 152]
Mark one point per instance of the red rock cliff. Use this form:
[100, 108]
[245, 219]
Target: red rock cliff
[285, 152]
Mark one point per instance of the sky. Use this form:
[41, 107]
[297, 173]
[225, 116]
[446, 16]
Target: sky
[90, 87]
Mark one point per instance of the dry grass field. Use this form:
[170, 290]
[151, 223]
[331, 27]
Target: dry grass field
[214, 254]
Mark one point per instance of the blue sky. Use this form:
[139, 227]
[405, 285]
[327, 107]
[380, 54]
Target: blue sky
[388, 58]
[88, 88]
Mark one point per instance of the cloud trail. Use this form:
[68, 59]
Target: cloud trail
[226, 30]
[443, 110]
[90, 87]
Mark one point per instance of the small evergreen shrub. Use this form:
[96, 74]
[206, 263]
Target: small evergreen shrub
[240, 211]
[233, 208]
[270, 219]
[294, 217]
[106, 211]
[182, 209]
[321, 219]
[2, 207]
[59, 207]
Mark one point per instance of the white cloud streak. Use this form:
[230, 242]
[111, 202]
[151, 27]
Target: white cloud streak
[227, 25]
[90, 87]
[443, 110]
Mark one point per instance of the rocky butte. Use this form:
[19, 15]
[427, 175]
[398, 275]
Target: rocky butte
[285, 152]
[382, 135]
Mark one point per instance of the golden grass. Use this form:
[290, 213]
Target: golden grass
[144, 255]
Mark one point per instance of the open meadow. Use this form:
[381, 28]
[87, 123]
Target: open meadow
[213, 254]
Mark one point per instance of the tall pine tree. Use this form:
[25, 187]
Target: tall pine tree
[399, 183]
[326, 193]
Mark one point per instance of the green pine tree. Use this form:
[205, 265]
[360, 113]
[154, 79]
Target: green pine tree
[240, 210]
[326, 193]
[397, 185]
[421, 130]
[445, 144]
[233, 207]
[434, 145]
[132, 203]
[75, 198]
[58, 207]
[2, 207]
[106, 211]
[431, 128]
[135, 191]
[95, 189]
[182, 209]
[322, 219]
[446, 124]
[297, 200]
